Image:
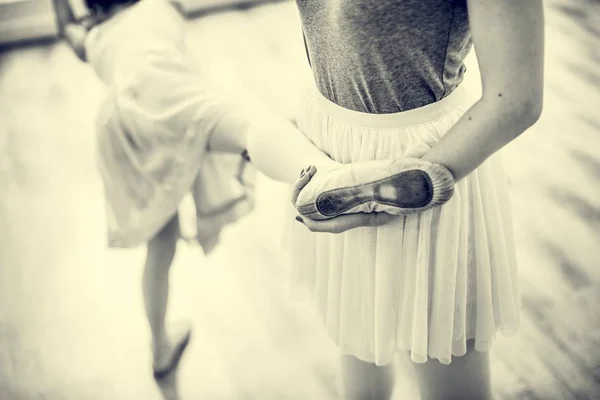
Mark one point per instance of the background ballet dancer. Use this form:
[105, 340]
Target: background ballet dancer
[164, 131]
[153, 130]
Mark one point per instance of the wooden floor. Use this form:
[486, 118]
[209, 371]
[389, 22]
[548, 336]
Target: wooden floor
[71, 314]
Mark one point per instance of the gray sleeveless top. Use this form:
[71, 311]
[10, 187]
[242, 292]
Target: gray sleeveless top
[386, 56]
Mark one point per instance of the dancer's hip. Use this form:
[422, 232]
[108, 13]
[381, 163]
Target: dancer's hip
[458, 99]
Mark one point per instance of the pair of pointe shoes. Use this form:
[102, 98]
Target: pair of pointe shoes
[400, 186]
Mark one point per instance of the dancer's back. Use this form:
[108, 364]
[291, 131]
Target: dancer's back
[386, 56]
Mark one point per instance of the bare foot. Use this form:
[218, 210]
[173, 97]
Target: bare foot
[166, 356]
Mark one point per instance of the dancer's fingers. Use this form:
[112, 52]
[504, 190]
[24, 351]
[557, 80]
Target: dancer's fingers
[305, 176]
[345, 222]
[380, 219]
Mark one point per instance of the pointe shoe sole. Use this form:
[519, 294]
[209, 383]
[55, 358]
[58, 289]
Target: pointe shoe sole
[399, 187]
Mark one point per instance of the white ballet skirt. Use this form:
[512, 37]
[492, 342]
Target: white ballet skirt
[154, 128]
[425, 283]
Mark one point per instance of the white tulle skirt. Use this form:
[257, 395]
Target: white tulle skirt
[426, 283]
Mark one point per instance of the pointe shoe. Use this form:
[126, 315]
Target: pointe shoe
[182, 339]
[400, 186]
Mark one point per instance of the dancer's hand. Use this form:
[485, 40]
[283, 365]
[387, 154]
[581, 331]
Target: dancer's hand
[346, 222]
[343, 222]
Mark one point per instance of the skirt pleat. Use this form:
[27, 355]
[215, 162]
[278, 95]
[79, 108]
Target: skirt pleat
[424, 283]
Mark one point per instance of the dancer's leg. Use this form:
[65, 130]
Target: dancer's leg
[161, 251]
[365, 381]
[467, 377]
[277, 148]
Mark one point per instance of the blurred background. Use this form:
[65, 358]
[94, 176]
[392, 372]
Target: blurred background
[71, 312]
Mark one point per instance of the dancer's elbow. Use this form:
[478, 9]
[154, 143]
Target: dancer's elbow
[530, 109]
[524, 116]
[517, 112]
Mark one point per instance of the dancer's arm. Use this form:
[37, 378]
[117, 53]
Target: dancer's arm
[508, 36]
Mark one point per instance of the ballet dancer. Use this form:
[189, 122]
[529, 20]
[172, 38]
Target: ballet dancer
[433, 273]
